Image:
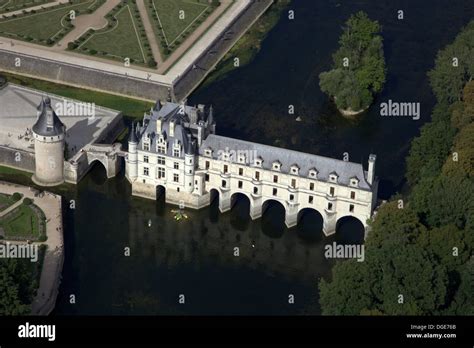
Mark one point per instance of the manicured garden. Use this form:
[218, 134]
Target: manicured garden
[26, 222]
[48, 25]
[15, 5]
[124, 37]
[174, 20]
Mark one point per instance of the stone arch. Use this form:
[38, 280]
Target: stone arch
[310, 223]
[350, 229]
[160, 199]
[273, 225]
[241, 205]
[214, 201]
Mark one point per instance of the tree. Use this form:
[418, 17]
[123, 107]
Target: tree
[359, 66]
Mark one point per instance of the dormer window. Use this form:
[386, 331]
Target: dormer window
[258, 161]
[241, 158]
[208, 152]
[294, 169]
[354, 182]
[146, 146]
[333, 177]
[313, 173]
[276, 165]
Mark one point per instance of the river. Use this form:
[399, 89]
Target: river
[196, 257]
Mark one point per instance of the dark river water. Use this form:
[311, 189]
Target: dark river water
[195, 257]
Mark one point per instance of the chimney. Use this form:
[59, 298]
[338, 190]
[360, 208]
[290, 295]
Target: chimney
[171, 129]
[158, 126]
[371, 172]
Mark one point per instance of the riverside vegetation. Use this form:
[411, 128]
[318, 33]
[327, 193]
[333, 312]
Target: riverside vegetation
[359, 66]
[419, 252]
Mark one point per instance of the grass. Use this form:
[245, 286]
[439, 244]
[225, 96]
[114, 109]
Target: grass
[174, 20]
[130, 107]
[5, 201]
[15, 5]
[46, 26]
[22, 223]
[249, 44]
[124, 37]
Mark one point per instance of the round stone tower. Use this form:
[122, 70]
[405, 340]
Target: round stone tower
[48, 132]
[132, 158]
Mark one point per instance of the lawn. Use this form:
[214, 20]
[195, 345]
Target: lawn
[124, 37]
[46, 26]
[22, 223]
[5, 201]
[130, 107]
[15, 5]
[174, 20]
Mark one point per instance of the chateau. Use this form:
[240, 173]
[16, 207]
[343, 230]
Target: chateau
[175, 151]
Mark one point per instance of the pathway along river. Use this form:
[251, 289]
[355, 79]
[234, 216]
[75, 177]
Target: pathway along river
[195, 257]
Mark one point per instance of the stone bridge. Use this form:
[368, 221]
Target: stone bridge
[106, 154]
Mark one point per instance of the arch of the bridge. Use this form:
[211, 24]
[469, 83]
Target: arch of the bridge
[93, 160]
[304, 210]
[267, 200]
[356, 233]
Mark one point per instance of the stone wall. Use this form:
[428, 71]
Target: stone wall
[19, 159]
[63, 72]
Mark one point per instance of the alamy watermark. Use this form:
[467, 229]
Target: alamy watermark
[238, 156]
[19, 251]
[68, 108]
[345, 251]
[392, 108]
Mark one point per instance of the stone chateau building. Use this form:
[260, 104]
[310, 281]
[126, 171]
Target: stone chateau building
[175, 151]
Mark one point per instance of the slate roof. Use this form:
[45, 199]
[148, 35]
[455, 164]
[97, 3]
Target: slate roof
[324, 165]
[48, 123]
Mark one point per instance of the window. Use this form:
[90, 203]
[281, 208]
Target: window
[331, 191]
[255, 190]
[145, 159]
[329, 206]
[207, 177]
[208, 164]
[353, 195]
[292, 197]
[311, 186]
[224, 183]
[176, 165]
[226, 168]
[241, 184]
[176, 177]
[176, 152]
[161, 149]
[310, 200]
[257, 175]
[161, 173]
[293, 183]
[146, 146]
[161, 160]
[275, 191]
[351, 208]
[241, 171]
[146, 171]
[275, 178]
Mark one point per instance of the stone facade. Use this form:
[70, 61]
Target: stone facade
[175, 150]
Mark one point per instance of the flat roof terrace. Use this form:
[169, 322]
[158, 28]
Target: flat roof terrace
[85, 123]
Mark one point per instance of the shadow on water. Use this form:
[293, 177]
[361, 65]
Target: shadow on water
[197, 256]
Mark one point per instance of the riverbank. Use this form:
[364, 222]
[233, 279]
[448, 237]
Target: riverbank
[53, 261]
[248, 46]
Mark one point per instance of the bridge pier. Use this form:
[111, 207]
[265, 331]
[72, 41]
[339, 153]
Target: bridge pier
[329, 224]
[255, 210]
[225, 203]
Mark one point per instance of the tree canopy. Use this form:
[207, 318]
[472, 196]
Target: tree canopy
[359, 65]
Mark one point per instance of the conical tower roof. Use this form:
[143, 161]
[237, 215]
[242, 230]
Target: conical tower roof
[133, 135]
[48, 123]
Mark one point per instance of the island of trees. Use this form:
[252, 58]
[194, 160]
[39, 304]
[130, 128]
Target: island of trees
[359, 66]
[419, 253]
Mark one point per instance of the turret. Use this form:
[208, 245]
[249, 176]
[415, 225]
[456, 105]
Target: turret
[189, 160]
[48, 132]
[132, 160]
[371, 171]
